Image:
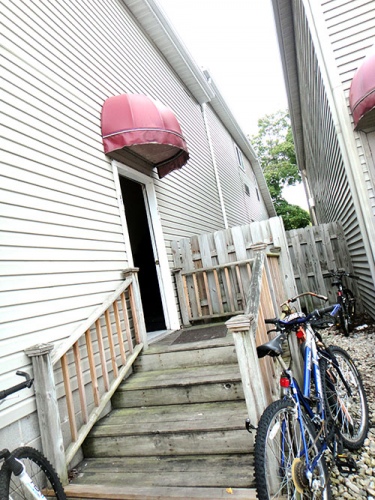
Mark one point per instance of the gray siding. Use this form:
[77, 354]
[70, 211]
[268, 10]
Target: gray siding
[324, 163]
[351, 30]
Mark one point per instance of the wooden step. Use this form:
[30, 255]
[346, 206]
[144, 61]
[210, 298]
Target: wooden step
[200, 384]
[164, 357]
[188, 471]
[105, 492]
[207, 428]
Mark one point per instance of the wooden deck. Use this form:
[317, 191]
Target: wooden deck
[156, 493]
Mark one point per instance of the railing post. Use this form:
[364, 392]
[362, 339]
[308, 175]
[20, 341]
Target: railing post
[242, 327]
[47, 408]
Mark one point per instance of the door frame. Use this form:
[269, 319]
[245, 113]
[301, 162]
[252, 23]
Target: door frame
[166, 287]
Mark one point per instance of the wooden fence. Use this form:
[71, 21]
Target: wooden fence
[314, 251]
[75, 381]
[213, 271]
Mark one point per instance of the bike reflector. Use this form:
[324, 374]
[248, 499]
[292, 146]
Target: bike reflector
[284, 381]
[301, 335]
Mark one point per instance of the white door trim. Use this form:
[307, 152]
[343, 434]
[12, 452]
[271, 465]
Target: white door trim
[164, 273]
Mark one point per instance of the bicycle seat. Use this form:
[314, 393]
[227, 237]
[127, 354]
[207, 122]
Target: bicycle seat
[272, 348]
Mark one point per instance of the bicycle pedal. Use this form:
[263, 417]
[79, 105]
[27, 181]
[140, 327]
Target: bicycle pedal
[346, 465]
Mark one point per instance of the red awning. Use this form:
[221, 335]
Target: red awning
[147, 128]
[362, 94]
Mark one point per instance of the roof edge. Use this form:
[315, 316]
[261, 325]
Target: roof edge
[156, 24]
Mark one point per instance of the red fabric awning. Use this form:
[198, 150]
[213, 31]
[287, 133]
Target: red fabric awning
[147, 128]
[362, 94]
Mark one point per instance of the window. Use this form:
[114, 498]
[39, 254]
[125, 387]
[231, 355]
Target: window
[247, 190]
[239, 157]
[256, 189]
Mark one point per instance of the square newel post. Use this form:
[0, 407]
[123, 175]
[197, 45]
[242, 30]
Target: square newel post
[47, 408]
[244, 339]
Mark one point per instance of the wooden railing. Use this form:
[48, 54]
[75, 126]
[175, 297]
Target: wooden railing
[210, 292]
[249, 331]
[75, 381]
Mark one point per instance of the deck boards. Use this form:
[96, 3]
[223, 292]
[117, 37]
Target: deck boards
[156, 493]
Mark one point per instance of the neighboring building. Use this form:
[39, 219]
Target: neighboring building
[331, 94]
[71, 213]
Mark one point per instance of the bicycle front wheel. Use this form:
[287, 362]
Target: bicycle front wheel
[40, 472]
[345, 397]
[280, 461]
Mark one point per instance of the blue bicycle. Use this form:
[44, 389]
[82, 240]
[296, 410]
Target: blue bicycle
[294, 433]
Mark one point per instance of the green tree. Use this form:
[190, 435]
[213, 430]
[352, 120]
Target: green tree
[275, 149]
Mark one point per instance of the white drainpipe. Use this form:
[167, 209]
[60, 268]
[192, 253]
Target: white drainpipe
[218, 184]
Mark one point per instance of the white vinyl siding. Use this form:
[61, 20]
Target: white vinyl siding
[62, 242]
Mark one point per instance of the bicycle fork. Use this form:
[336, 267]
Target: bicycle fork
[19, 470]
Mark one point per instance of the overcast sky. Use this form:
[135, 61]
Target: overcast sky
[236, 41]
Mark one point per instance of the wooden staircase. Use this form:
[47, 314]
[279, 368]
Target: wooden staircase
[177, 430]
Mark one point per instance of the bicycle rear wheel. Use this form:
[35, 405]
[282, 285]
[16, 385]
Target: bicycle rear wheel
[279, 460]
[345, 397]
[344, 322]
[347, 313]
[40, 471]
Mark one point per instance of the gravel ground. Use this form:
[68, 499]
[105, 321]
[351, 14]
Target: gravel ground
[361, 347]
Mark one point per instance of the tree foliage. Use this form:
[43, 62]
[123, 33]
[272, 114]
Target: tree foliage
[275, 149]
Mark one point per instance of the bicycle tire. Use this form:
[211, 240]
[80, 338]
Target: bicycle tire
[344, 323]
[278, 466]
[39, 469]
[350, 413]
[347, 312]
[350, 305]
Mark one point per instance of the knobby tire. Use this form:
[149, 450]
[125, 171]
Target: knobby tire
[278, 430]
[347, 313]
[39, 469]
[348, 411]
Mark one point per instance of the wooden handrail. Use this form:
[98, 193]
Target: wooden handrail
[213, 268]
[111, 325]
[82, 328]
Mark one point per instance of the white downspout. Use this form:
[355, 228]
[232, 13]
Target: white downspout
[217, 178]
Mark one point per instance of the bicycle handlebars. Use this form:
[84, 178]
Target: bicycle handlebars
[339, 273]
[312, 294]
[299, 319]
[27, 383]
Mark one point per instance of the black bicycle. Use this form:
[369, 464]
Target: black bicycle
[345, 298]
[26, 473]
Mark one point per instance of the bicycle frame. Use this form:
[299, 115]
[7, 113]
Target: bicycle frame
[301, 398]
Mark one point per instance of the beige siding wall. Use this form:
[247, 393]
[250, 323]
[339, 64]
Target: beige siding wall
[240, 207]
[324, 162]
